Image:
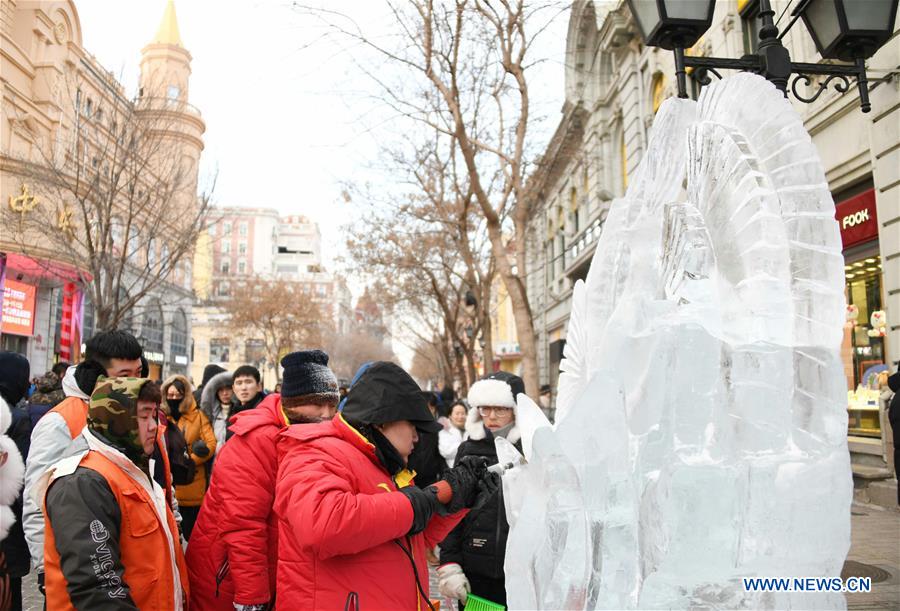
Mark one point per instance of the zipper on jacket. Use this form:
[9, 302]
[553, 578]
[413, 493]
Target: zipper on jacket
[220, 575]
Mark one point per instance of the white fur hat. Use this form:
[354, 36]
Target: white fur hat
[499, 390]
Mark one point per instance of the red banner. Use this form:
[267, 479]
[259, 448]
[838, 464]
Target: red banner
[66, 326]
[18, 308]
[857, 218]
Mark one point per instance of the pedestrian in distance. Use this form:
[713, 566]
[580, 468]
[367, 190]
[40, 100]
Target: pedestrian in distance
[454, 432]
[111, 539]
[234, 549]
[248, 390]
[353, 527]
[472, 555]
[110, 353]
[48, 392]
[200, 440]
[216, 403]
[209, 372]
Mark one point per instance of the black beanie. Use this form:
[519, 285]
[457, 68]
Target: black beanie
[306, 373]
[14, 377]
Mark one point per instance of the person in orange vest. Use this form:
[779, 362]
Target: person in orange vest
[111, 540]
[110, 353]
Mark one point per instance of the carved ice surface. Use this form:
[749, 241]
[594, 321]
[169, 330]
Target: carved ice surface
[701, 418]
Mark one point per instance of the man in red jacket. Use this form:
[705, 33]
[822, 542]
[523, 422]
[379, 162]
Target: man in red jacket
[233, 550]
[353, 530]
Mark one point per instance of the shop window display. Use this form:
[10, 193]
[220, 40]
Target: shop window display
[864, 347]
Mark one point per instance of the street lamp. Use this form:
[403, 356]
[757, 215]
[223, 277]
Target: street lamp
[841, 29]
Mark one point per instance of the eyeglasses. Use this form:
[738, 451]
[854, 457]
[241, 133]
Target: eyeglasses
[499, 411]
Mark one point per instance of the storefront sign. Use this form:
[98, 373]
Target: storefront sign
[18, 308]
[857, 219]
[154, 357]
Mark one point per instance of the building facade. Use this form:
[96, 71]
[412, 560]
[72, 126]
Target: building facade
[242, 243]
[614, 85]
[55, 92]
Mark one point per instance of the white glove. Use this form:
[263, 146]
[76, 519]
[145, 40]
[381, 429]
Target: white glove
[453, 582]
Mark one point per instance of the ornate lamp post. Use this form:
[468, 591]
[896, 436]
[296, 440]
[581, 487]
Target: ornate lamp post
[847, 30]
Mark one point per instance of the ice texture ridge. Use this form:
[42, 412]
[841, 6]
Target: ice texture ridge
[701, 418]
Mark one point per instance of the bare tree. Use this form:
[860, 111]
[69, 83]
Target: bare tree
[281, 314]
[114, 193]
[465, 66]
[350, 351]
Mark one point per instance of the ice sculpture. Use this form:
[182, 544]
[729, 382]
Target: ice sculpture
[701, 420]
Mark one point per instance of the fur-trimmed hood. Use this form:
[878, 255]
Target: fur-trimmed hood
[208, 398]
[477, 431]
[12, 471]
[187, 403]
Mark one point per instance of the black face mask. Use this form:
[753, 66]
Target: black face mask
[174, 405]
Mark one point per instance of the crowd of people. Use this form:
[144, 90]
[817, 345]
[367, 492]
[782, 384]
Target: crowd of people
[124, 493]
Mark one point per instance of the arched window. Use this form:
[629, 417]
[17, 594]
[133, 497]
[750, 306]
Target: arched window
[657, 91]
[152, 327]
[179, 333]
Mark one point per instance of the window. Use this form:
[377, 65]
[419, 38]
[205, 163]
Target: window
[88, 108]
[151, 253]
[173, 92]
[212, 229]
[243, 229]
[749, 10]
[226, 228]
[242, 267]
[152, 328]
[223, 290]
[255, 352]
[242, 248]
[179, 334]
[225, 267]
[219, 350]
[87, 325]
[226, 247]
[659, 86]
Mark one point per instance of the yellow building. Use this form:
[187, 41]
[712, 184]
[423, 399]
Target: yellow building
[66, 121]
[505, 342]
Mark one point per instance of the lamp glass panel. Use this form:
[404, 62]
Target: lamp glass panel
[697, 10]
[822, 18]
[869, 15]
[647, 15]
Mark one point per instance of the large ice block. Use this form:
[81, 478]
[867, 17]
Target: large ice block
[701, 418]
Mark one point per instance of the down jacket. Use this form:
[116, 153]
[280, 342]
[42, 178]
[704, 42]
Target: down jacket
[343, 525]
[210, 406]
[194, 426]
[478, 543]
[234, 545]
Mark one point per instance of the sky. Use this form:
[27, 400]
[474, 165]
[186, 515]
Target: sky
[289, 115]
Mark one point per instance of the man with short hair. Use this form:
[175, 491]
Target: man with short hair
[109, 353]
[247, 387]
[112, 540]
[233, 549]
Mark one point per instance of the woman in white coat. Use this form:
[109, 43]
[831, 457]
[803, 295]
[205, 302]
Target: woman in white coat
[454, 432]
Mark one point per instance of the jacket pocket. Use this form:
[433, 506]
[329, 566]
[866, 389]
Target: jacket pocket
[142, 520]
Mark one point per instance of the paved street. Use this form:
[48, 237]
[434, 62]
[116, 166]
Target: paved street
[876, 543]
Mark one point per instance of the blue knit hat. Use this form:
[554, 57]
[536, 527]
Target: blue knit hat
[306, 374]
